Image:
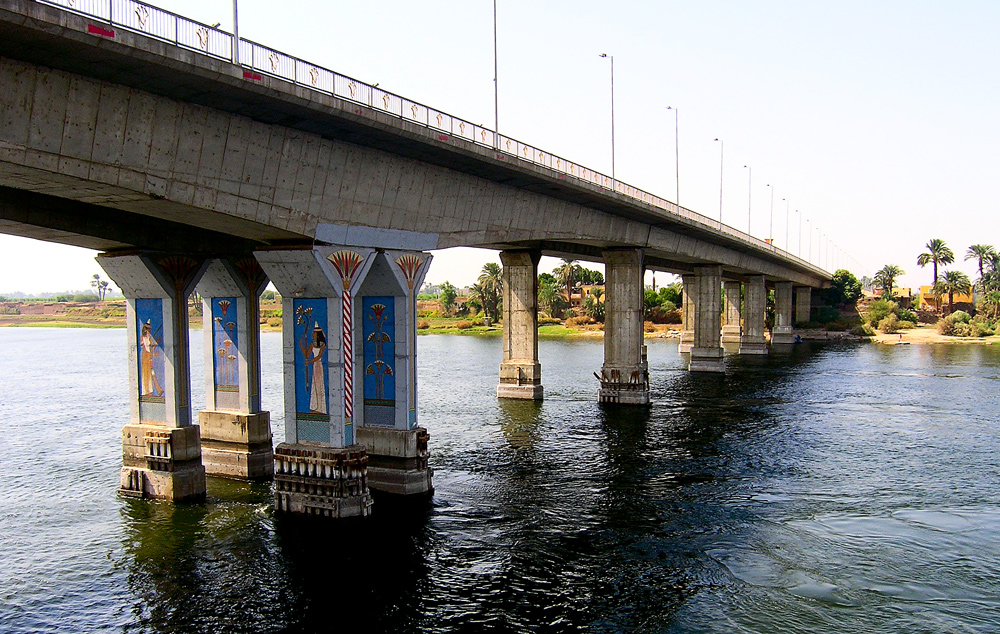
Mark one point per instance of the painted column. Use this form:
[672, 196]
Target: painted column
[803, 304]
[161, 449]
[624, 377]
[754, 315]
[782, 331]
[707, 354]
[520, 371]
[731, 325]
[385, 337]
[235, 433]
[687, 313]
[319, 470]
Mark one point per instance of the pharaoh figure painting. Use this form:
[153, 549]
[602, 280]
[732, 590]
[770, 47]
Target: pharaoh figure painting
[226, 353]
[311, 380]
[149, 322]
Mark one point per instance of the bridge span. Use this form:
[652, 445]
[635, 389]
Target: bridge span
[130, 130]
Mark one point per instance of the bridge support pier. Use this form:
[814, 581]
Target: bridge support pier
[624, 377]
[520, 371]
[731, 325]
[781, 333]
[803, 304]
[161, 449]
[386, 314]
[687, 313]
[319, 469]
[754, 315]
[235, 433]
[707, 354]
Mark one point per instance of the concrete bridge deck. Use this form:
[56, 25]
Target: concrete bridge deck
[114, 126]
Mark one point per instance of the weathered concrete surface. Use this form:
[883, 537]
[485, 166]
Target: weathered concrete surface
[707, 353]
[688, 291]
[520, 371]
[398, 460]
[624, 377]
[162, 463]
[782, 333]
[324, 481]
[236, 444]
[144, 127]
[803, 304]
[731, 313]
[755, 313]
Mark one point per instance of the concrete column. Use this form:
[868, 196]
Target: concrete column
[803, 304]
[161, 449]
[754, 315]
[706, 355]
[386, 362]
[624, 377]
[687, 313]
[781, 333]
[520, 371]
[731, 324]
[235, 433]
[319, 469]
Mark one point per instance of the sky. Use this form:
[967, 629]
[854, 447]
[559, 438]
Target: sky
[872, 122]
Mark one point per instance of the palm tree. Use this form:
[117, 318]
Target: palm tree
[937, 253]
[565, 273]
[982, 253]
[885, 278]
[490, 290]
[550, 298]
[953, 282]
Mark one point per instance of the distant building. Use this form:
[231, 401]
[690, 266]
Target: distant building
[928, 301]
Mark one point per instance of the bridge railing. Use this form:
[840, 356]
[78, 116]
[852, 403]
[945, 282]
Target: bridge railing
[170, 27]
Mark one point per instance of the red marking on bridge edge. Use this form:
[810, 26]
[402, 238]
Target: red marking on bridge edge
[443, 137]
[254, 76]
[100, 30]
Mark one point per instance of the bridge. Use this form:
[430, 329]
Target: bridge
[193, 162]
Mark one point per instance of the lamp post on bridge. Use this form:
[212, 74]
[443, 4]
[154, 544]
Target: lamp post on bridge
[677, 160]
[770, 229]
[800, 232]
[749, 195]
[496, 82]
[809, 257]
[787, 245]
[612, 58]
[236, 33]
[722, 158]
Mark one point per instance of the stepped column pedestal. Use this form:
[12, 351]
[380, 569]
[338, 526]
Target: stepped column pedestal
[161, 449]
[754, 316]
[235, 433]
[707, 353]
[520, 371]
[625, 374]
[731, 331]
[781, 333]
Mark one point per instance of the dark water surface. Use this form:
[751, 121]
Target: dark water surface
[832, 489]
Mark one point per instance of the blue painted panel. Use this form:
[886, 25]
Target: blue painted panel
[312, 383]
[225, 344]
[379, 316]
[149, 345]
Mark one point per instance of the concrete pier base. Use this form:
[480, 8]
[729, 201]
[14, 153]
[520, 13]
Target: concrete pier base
[625, 375]
[731, 304]
[236, 445]
[782, 333]
[707, 360]
[397, 460]
[324, 481]
[162, 463]
[520, 380]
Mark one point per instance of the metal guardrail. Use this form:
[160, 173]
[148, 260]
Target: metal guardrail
[170, 27]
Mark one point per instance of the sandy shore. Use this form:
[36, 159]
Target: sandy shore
[929, 334]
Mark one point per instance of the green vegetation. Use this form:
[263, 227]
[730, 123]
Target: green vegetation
[887, 316]
[845, 289]
[885, 279]
[447, 296]
[952, 282]
[100, 286]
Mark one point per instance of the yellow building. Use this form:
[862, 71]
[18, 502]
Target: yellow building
[929, 302]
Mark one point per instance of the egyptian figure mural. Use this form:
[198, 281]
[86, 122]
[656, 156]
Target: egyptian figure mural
[149, 344]
[380, 360]
[312, 417]
[225, 344]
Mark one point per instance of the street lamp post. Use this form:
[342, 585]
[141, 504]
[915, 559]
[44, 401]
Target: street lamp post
[809, 257]
[787, 245]
[770, 229]
[612, 58]
[496, 82]
[236, 34]
[749, 195]
[722, 158]
[800, 232]
[677, 159]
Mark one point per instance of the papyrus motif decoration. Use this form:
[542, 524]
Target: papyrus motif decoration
[385, 100]
[314, 75]
[438, 117]
[180, 271]
[353, 88]
[410, 265]
[202, 34]
[413, 109]
[226, 346]
[141, 15]
[347, 264]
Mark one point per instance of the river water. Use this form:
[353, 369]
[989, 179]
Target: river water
[849, 488]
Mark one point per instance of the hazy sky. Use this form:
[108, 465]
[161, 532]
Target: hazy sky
[876, 120]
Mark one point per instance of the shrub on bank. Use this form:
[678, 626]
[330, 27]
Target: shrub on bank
[582, 320]
[879, 310]
[658, 315]
[423, 324]
[464, 324]
[548, 321]
[862, 330]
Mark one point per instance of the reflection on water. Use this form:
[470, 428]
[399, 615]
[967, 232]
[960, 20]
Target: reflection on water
[824, 489]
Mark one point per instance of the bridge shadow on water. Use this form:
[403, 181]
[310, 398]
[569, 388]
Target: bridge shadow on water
[557, 516]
